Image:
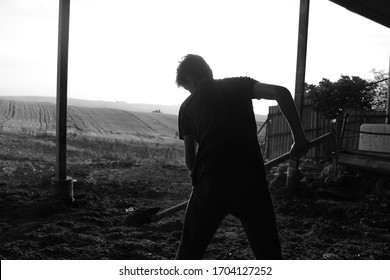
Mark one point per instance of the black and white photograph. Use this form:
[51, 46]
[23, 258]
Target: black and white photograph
[195, 130]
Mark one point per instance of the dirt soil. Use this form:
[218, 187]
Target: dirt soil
[319, 221]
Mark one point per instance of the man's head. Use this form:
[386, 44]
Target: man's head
[192, 68]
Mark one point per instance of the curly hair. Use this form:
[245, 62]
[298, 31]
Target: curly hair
[192, 65]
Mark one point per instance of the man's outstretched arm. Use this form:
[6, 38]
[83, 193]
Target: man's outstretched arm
[287, 106]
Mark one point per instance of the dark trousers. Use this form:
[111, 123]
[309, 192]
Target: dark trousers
[234, 190]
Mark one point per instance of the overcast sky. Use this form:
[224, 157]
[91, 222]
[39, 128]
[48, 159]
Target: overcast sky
[128, 50]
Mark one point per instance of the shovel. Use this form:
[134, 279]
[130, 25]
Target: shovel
[149, 215]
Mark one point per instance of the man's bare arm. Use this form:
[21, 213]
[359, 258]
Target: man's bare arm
[288, 109]
[190, 150]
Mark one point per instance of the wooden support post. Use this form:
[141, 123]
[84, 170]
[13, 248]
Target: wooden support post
[63, 185]
[301, 55]
[293, 176]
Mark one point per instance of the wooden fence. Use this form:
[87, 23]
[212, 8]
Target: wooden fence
[349, 134]
[278, 137]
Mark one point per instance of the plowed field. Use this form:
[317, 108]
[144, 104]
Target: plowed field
[36, 118]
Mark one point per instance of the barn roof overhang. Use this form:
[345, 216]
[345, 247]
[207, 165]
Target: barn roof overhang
[375, 10]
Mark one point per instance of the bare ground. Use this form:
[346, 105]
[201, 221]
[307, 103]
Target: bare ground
[317, 222]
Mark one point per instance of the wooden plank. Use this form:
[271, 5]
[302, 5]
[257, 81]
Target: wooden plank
[364, 161]
[62, 88]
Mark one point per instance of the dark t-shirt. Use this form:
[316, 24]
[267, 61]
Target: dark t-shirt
[220, 117]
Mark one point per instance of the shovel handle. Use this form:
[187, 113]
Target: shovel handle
[170, 211]
[267, 165]
[286, 156]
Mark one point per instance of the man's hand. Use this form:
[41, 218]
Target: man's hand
[299, 148]
[190, 151]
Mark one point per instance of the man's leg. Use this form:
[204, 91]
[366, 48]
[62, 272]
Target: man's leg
[251, 203]
[258, 220]
[200, 225]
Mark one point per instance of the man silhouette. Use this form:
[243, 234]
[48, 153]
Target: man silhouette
[218, 126]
